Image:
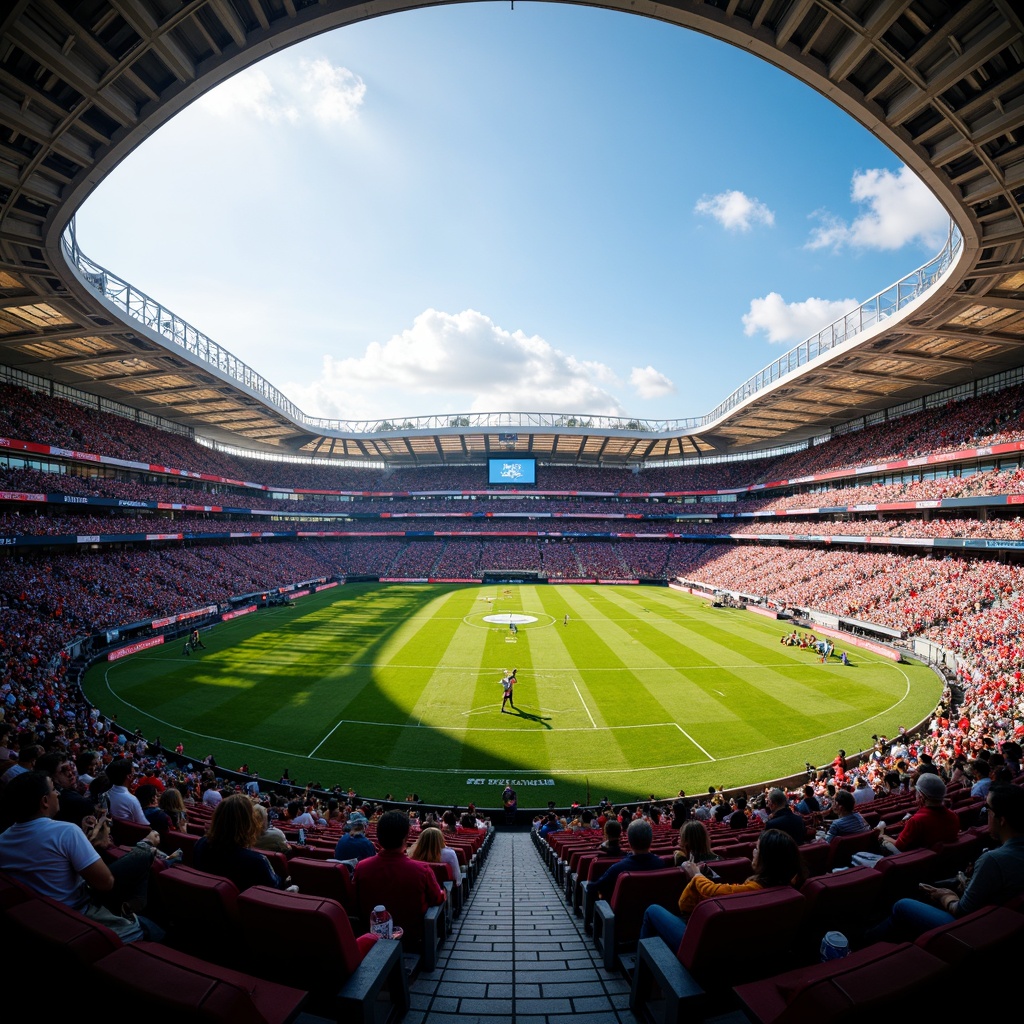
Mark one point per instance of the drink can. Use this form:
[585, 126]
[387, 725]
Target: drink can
[381, 922]
[834, 946]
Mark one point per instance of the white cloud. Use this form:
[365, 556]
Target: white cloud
[461, 362]
[900, 209]
[306, 90]
[650, 383]
[735, 211]
[793, 321]
[335, 92]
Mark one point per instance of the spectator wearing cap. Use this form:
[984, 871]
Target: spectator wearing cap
[640, 836]
[931, 823]
[354, 844]
[998, 876]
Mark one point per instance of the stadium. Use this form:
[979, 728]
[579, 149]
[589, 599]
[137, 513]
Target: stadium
[160, 495]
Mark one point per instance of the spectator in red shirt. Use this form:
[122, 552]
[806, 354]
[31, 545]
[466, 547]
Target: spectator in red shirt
[407, 888]
[930, 824]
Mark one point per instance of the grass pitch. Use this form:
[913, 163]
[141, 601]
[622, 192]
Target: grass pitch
[396, 689]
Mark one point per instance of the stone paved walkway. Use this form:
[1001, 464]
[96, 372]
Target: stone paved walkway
[517, 953]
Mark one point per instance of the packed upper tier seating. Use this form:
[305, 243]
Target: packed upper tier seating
[988, 419]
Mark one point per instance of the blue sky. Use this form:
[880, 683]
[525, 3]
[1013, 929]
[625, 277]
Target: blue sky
[472, 208]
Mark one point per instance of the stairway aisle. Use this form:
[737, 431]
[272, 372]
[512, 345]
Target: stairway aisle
[517, 953]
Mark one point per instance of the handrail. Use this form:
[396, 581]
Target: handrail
[868, 314]
[172, 328]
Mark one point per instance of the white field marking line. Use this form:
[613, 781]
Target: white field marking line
[694, 742]
[550, 672]
[523, 707]
[325, 739]
[584, 703]
[539, 622]
[487, 708]
[719, 692]
[523, 771]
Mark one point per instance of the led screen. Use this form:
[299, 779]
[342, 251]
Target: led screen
[512, 471]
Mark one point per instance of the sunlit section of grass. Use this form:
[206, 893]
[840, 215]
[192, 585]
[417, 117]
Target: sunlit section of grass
[396, 689]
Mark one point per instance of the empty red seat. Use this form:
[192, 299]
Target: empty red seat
[844, 902]
[902, 874]
[842, 991]
[67, 936]
[989, 940]
[161, 984]
[202, 913]
[815, 857]
[841, 851]
[324, 878]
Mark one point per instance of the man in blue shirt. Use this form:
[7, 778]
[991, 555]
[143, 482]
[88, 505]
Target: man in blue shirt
[354, 844]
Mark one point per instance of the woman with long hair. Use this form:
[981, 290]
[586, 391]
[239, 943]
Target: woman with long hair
[430, 848]
[173, 806]
[695, 843]
[226, 849]
[776, 862]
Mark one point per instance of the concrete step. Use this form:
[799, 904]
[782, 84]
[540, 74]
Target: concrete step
[517, 953]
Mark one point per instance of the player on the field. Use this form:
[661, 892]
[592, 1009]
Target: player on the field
[507, 682]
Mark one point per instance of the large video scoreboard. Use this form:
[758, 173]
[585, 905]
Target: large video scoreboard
[513, 471]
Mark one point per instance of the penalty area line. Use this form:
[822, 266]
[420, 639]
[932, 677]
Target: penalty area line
[694, 742]
[325, 739]
[584, 703]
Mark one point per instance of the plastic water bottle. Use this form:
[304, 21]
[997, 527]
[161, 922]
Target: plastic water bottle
[834, 946]
[381, 922]
[302, 837]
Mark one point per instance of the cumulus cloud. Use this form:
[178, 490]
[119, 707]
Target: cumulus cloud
[464, 362]
[898, 209]
[306, 90]
[648, 382]
[792, 322]
[735, 211]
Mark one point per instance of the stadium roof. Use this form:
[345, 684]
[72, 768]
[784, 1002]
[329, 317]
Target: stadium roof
[941, 82]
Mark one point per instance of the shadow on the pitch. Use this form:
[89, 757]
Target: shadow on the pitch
[533, 718]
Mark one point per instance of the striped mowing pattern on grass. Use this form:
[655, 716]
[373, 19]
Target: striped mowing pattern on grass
[397, 688]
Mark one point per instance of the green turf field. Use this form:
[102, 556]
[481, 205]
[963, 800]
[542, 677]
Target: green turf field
[395, 689]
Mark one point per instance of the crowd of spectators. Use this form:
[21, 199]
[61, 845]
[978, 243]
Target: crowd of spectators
[988, 419]
[972, 607]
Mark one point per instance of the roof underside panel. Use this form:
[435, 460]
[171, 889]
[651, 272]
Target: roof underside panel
[83, 82]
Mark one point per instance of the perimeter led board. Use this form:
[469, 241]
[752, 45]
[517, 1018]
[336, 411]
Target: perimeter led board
[514, 472]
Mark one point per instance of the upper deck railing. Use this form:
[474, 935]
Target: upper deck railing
[172, 328]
